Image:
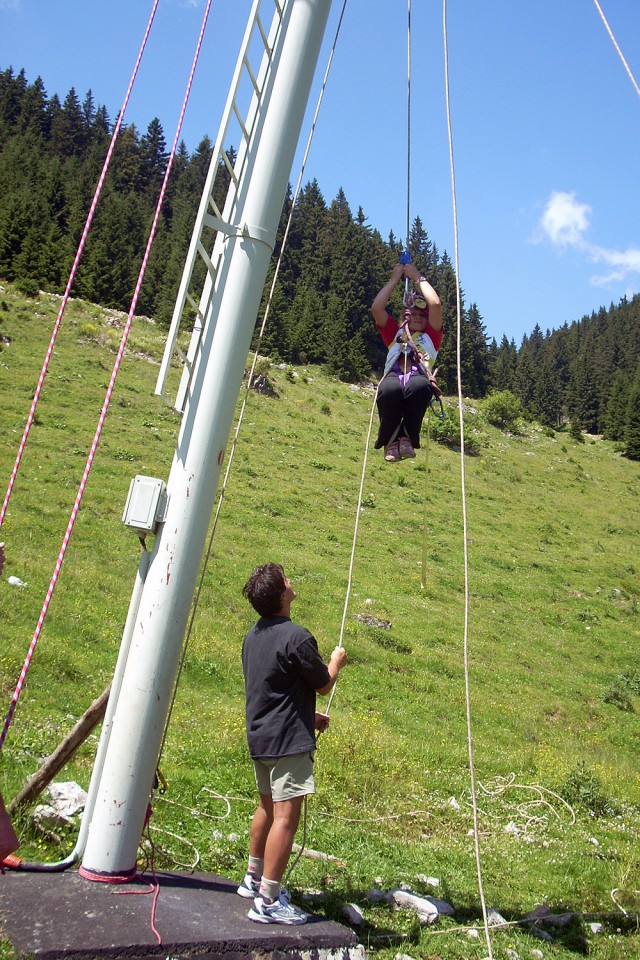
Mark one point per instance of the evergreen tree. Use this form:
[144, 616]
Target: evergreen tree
[525, 375]
[12, 91]
[33, 115]
[68, 135]
[127, 169]
[153, 157]
[503, 365]
[421, 250]
[15, 223]
[100, 131]
[305, 325]
[29, 262]
[581, 395]
[615, 420]
[546, 405]
[446, 288]
[309, 242]
[275, 339]
[351, 279]
[88, 114]
[476, 354]
[632, 434]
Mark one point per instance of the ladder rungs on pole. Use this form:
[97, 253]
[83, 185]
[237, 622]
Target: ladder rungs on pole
[237, 126]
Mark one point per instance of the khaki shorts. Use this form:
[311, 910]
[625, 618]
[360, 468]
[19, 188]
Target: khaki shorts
[284, 778]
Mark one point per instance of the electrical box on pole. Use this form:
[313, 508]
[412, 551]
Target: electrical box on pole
[146, 505]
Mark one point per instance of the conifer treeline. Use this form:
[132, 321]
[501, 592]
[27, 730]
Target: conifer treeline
[51, 155]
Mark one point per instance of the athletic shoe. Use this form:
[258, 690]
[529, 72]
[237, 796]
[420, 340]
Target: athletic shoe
[280, 911]
[406, 449]
[392, 453]
[249, 888]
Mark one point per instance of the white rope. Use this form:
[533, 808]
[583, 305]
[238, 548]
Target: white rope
[223, 488]
[355, 540]
[464, 496]
[615, 43]
[408, 118]
[179, 863]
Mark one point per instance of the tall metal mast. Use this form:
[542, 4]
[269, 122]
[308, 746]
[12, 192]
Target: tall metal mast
[236, 272]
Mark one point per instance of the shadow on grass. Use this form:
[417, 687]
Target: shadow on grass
[559, 927]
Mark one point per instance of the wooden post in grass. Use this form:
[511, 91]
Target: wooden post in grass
[63, 753]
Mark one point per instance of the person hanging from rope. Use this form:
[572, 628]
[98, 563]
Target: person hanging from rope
[408, 385]
[283, 671]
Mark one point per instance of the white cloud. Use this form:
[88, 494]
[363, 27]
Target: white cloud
[565, 223]
[623, 263]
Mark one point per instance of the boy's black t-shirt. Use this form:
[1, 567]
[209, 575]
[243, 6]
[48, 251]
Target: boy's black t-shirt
[282, 671]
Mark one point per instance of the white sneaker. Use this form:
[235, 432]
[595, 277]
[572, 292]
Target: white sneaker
[280, 911]
[249, 888]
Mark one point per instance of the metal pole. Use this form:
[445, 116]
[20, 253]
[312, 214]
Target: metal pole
[141, 711]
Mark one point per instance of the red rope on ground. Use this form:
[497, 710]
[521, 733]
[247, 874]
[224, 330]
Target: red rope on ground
[67, 292]
[107, 400]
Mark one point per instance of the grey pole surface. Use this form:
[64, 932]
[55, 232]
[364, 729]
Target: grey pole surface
[143, 703]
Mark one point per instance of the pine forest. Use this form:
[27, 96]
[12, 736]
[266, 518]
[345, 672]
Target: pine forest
[585, 375]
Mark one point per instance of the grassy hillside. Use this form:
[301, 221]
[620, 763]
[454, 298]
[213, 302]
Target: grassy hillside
[554, 676]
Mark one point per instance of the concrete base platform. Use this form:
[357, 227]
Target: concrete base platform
[62, 915]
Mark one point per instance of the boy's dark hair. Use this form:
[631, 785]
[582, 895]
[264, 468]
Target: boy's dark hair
[264, 589]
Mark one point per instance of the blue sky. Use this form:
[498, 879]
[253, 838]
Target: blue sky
[545, 121]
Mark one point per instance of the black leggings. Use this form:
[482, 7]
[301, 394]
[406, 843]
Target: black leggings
[402, 407]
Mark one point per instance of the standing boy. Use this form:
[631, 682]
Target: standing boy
[283, 671]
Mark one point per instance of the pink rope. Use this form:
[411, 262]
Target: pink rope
[81, 246]
[107, 399]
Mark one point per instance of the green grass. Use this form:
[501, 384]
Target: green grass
[553, 528]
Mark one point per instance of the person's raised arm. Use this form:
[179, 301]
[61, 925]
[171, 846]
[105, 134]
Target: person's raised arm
[335, 665]
[429, 294]
[379, 305]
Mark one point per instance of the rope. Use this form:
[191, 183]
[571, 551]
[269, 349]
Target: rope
[411, 341]
[615, 43]
[107, 400]
[423, 572]
[249, 383]
[353, 544]
[463, 485]
[408, 119]
[67, 292]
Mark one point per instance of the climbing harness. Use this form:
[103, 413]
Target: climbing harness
[414, 351]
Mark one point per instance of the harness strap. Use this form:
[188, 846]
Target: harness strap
[431, 375]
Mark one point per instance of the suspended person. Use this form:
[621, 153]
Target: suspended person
[407, 386]
[283, 671]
